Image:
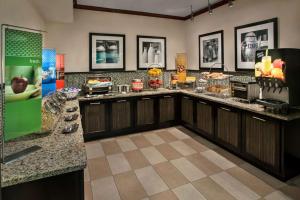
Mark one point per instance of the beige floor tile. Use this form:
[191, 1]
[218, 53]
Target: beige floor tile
[150, 180]
[136, 159]
[195, 145]
[182, 148]
[98, 168]
[94, 150]
[129, 187]
[204, 164]
[251, 181]
[211, 190]
[167, 195]
[153, 155]
[166, 136]
[118, 163]
[154, 139]
[190, 171]
[105, 189]
[178, 134]
[277, 195]
[234, 187]
[270, 180]
[231, 157]
[86, 175]
[140, 141]
[188, 192]
[170, 174]
[88, 195]
[168, 152]
[292, 191]
[217, 159]
[126, 144]
[187, 131]
[111, 147]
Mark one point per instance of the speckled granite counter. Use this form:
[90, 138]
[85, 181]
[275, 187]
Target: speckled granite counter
[60, 154]
[256, 108]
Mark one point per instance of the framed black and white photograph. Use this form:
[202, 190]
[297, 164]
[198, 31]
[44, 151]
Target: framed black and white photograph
[151, 52]
[251, 37]
[211, 51]
[107, 51]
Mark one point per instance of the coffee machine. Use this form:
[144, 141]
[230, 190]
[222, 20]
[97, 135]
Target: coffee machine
[277, 72]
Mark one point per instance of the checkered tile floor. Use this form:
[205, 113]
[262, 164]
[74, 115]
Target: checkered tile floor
[174, 163]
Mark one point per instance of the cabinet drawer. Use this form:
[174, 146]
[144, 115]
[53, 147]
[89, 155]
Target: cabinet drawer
[94, 117]
[121, 115]
[166, 108]
[187, 111]
[145, 111]
[205, 121]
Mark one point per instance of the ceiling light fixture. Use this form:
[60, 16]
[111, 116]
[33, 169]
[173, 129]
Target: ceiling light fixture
[230, 3]
[209, 8]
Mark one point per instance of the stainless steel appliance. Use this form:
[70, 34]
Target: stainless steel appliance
[248, 91]
[97, 85]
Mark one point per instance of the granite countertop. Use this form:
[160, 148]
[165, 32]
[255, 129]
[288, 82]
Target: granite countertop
[255, 108]
[60, 154]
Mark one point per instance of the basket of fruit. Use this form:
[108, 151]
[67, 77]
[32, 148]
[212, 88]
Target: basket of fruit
[155, 80]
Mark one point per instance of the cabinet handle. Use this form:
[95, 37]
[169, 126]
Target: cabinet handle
[95, 103]
[227, 109]
[202, 102]
[186, 97]
[145, 98]
[167, 96]
[121, 101]
[260, 119]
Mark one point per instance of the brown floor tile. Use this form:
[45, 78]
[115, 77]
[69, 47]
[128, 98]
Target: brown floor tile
[86, 175]
[167, 195]
[98, 168]
[140, 141]
[205, 142]
[236, 160]
[129, 187]
[195, 145]
[136, 159]
[111, 147]
[251, 181]
[292, 191]
[211, 190]
[168, 152]
[187, 131]
[203, 164]
[166, 136]
[88, 195]
[171, 176]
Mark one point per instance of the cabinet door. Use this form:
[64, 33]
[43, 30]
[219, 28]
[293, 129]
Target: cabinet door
[187, 110]
[167, 109]
[228, 127]
[262, 139]
[121, 115]
[205, 121]
[145, 111]
[94, 117]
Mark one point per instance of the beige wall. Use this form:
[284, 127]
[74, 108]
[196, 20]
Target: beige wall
[244, 12]
[72, 38]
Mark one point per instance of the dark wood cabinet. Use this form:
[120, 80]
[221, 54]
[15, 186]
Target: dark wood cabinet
[167, 108]
[145, 111]
[205, 118]
[121, 114]
[262, 140]
[187, 110]
[228, 128]
[95, 117]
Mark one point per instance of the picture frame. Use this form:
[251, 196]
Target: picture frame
[211, 51]
[251, 37]
[151, 51]
[107, 52]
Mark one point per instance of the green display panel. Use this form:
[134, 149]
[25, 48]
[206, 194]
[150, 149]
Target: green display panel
[23, 58]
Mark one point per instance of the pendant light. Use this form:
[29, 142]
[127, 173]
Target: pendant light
[209, 8]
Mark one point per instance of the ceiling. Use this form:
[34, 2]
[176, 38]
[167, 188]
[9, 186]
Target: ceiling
[178, 8]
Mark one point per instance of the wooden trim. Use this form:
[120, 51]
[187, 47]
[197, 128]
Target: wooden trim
[131, 12]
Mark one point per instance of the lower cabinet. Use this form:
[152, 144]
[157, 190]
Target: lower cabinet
[228, 128]
[167, 109]
[95, 117]
[121, 113]
[262, 140]
[145, 111]
[187, 110]
[205, 118]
